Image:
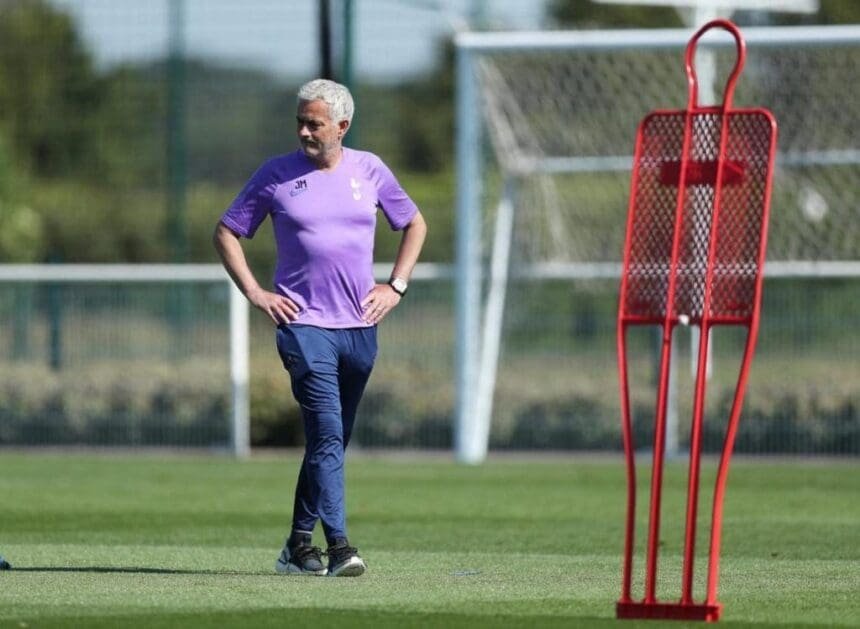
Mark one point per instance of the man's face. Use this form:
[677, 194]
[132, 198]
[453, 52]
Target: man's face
[319, 135]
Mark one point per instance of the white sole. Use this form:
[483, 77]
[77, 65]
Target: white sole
[354, 567]
[285, 567]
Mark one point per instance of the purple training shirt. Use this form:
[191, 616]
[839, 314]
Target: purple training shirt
[324, 225]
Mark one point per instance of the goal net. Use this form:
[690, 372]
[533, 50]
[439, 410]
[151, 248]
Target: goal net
[546, 129]
[123, 356]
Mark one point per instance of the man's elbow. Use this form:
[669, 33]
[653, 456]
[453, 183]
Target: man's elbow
[221, 235]
[418, 224]
[217, 235]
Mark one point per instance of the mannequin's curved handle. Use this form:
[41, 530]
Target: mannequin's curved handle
[690, 56]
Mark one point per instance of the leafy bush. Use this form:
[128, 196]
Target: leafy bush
[387, 420]
[188, 404]
[276, 418]
[792, 421]
[132, 404]
[563, 424]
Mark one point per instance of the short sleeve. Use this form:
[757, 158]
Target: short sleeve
[396, 205]
[250, 208]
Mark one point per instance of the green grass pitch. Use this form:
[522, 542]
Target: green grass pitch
[190, 541]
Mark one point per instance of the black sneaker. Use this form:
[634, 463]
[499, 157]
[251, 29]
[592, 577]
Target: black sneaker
[4, 565]
[299, 557]
[343, 560]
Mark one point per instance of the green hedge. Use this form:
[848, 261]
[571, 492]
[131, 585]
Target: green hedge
[137, 404]
[794, 425]
[185, 405]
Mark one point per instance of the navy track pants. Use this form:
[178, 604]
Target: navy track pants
[329, 369]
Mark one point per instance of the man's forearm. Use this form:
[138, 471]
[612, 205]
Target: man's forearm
[410, 248]
[233, 258]
[279, 308]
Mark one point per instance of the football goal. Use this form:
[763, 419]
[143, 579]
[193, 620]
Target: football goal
[545, 129]
[123, 355]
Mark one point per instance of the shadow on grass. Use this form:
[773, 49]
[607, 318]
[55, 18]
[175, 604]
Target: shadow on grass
[319, 618]
[370, 618]
[132, 570]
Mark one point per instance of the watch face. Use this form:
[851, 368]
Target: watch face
[399, 285]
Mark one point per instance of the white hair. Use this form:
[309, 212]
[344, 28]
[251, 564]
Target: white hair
[335, 95]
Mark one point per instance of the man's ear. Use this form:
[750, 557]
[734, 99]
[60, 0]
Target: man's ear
[344, 127]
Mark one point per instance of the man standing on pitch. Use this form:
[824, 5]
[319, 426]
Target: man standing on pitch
[323, 200]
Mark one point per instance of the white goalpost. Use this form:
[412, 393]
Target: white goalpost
[234, 328]
[551, 116]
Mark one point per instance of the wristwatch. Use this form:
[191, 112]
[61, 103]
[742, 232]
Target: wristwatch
[399, 285]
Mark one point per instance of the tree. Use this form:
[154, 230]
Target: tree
[829, 12]
[587, 14]
[49, 93]
[22, 233]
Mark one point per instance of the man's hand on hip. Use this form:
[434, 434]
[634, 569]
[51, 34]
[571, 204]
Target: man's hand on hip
[379, 303]
[280, 309]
